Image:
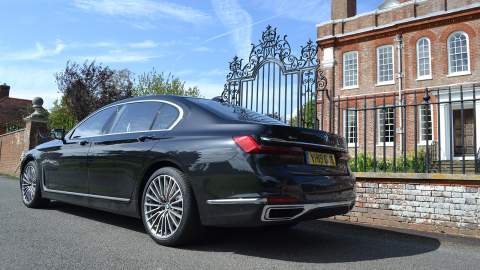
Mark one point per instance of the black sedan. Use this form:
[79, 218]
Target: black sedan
[183, 163]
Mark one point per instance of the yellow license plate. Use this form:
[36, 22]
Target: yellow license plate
[321, 159]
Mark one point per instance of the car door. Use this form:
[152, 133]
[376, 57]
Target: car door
[65, 166]
[116, 160]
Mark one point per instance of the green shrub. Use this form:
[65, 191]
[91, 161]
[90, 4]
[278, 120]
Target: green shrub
[366, 163]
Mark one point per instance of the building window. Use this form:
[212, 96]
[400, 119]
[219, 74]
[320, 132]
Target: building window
[385, 64]
[350, 70]
[458, 54]
[425, 118]
[350, 126]
[424, 70]
[386, 125]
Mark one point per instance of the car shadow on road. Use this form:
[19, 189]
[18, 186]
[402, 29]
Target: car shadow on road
[125, 222]
[319, 241]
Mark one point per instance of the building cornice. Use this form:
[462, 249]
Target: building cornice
[423, 22]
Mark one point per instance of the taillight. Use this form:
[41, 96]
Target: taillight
[249, 145]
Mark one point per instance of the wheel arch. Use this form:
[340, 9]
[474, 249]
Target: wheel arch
[25, 161]
[148, 172]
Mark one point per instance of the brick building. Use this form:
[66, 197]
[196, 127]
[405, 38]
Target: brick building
[12, 110]
[388, 57]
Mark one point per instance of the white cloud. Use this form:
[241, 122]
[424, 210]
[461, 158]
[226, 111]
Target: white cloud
[302, 10]
[239, 23]
[207, 89]
[120, 56]
[39, 52]
[147, 44]
[40, 82]
[142, 9]
[202, 49]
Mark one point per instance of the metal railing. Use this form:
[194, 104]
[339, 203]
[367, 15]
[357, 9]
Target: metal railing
[422, 131]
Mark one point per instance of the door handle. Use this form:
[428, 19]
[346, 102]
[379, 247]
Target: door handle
[144, 138]
[83, 142]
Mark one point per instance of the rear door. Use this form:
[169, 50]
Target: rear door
[116, 160]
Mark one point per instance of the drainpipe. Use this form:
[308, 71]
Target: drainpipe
[399, 46]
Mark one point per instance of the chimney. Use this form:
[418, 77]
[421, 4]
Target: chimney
[342, 9]
[4, 90]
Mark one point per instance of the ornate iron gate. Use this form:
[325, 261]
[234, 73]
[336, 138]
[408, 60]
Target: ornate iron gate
[277, 83]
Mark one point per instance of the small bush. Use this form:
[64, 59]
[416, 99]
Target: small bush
[366, 163]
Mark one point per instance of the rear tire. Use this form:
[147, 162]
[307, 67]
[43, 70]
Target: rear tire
[30, 187]
[168, 209]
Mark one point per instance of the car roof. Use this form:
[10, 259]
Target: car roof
[173, 98]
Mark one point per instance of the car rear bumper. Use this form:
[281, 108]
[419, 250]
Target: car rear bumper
[255, 212]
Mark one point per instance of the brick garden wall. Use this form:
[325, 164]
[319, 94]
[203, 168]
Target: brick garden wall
[437, 207]
[11, 147]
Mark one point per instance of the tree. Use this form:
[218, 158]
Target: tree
[308, 113]
[90, 86]
[60, 116]
[153, 83]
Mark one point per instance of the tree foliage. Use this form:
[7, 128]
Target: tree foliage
[60, 116]
[308, 119]
[153, 83]
[90, 86]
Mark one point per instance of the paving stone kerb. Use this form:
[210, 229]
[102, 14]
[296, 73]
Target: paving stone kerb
[445, 206]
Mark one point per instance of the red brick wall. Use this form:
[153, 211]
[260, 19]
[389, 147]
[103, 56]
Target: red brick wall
[11, 147]
[366, 45]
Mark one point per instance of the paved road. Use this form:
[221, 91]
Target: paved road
[70, 237]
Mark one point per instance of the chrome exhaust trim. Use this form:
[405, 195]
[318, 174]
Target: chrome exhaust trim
[267, 209]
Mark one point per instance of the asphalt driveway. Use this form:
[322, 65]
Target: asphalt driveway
[71, 237]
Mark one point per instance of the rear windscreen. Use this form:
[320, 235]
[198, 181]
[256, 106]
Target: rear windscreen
[233, 112]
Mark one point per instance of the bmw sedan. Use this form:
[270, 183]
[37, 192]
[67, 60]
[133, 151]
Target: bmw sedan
[182, 163]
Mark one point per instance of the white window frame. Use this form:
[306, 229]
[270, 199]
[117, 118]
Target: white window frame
[378, 66]
[379, 133]
[421, 141]
[345, 126]
[344, 70]
[429, 76]
[459, 73]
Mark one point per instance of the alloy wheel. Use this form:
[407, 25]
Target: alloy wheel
[29, 183]
[163, 206]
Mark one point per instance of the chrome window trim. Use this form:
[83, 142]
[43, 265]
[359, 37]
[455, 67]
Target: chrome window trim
[179, 118]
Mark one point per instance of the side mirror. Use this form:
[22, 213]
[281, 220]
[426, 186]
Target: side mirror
[58, 133]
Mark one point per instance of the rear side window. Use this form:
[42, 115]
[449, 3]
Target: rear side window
[95, 125]
[166, 117]
[136, 117]
[233, 112]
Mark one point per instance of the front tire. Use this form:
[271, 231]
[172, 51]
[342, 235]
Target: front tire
[169, 211]
[30, 187]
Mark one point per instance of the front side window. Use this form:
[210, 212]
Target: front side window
[458, 53]
[350, 126]
[423, 59]
[96, 125]
[386, 120]
[350, 69]
[425, 123]
[385, 64]
[135, 117]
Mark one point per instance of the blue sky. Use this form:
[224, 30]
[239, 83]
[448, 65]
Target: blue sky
[193, 40]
